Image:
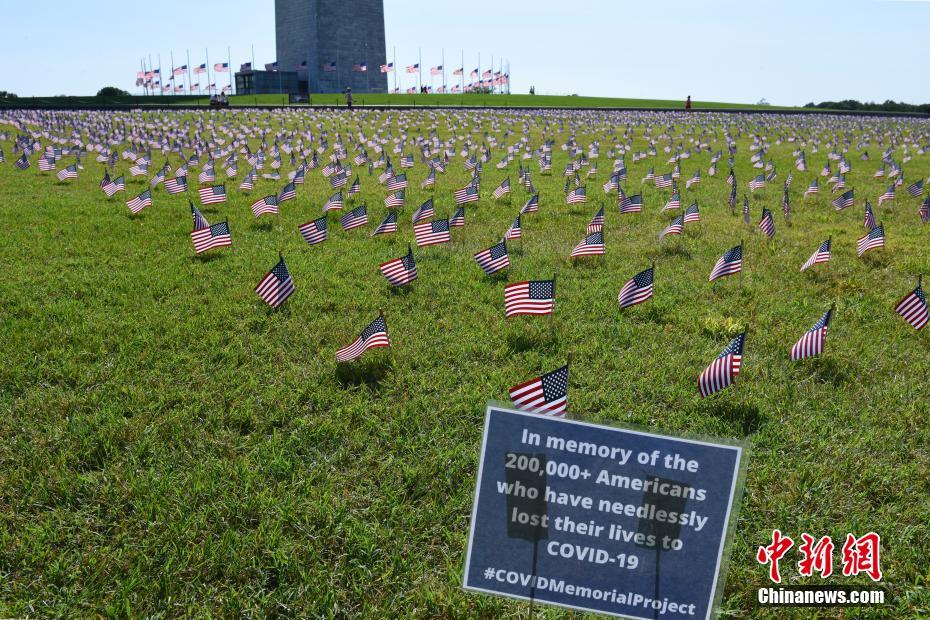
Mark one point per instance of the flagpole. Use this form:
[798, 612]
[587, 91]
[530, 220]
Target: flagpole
[172, 73]
[207, 52]
[189, 72]
[463, 70]
[229, 68]
[395, 68]
[419, 68]
[443, 70]
[161, 76]
[152, 71]
[145, 89]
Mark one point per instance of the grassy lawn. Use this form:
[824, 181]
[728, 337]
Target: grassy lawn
[175, 448]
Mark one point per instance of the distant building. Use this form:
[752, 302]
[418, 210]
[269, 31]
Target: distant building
[328, 43]
[249, 82]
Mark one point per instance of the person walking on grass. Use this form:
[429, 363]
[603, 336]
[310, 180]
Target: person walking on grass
[349, 97]
[688, 103]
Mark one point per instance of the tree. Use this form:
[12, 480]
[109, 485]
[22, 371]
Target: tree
[7, 95]
[112, 91]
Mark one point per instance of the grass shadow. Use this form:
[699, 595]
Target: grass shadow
[827, 370]
[357, 374]
[265, 226]
[742, 416]
[400, 291]
[522, 342]
[207, 257]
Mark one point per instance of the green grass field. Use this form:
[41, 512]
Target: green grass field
[174, 448]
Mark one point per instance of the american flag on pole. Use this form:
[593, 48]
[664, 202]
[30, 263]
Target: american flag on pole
[401, 270]
[387, 68]
[813, 340]
[674, 202]
[212, 195]
[868, 219]
[637, 290]
[266, 205]
[424, 212]
[395, 200]
[140, 202]
[532, 205]
[888, 195]
[276, 286]
[289, 192]
[767, 223]
[515, 231]
[68, 173]
[431, 233]
[692, 214]
[503, 189]
[875, 238]
[177, 185]
[334, 203]
[576, 196]
[597, 222]
[458, 218]
[731, 262]
[546, 395]
[674, 228]
[210, 237]
[844, 200]
[813, 188]
[916, 188]
[199, 220]
[591, 245]
[355, 218]
[914, 308]
[723, 371]
[629, 204]
[375, 335]
[413, 68]
[821, 255]
[466, 195]
[532, 297]
[116, 185]
[494, 258]
[389, 225]
[221, 67]
[314, 231]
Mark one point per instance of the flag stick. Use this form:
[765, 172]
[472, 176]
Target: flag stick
[742, 260]
[189, 73]
[229, 68]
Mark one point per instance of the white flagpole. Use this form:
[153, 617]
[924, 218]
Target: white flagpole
[229, 68]
[207, 52]
[395, 68]
[443, 70]
[190, 72]
[172, 73]
[419, 68]
[463, 70]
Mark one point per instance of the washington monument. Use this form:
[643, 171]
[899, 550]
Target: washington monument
[349, 33]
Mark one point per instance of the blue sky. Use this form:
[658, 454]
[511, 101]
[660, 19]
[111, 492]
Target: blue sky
[787, 51]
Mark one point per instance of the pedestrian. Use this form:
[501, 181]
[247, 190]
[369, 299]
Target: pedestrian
[349, 97]
[688, 103]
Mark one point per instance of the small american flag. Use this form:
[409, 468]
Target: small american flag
[844, 200]
[531, 297]
[629, 204]
[674, 228]
[212, 195]
[215, 236]
[673, 203]
[177, 185]
[875, 238]
[266, 205]
[334, 203]
[423, 212]
[813, 188]
[731, 262]
[821, 255]
[597, 222]
[494, 258]
[692, 214]
[576, 196]
[868, 219]
[389, 225]
[116, 185]
[591, 245]
[395, 200]
[276, 286]
[547, 395]
[757, 183]
[140, 202]
[67, 173]
[503, 189]
[431, 233]
[314, 231]
[813, 340]
[767, 223]
[401, 270]
[288, 193]
[914, 308]
[375, 335]
[723, 371]
[355, 218]
[22, 162]
[637, 290]
[916, 188]
[458, 218]
[466, 195]
[888, 195]
[199, 220]
[532, 205]
[515, 231]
